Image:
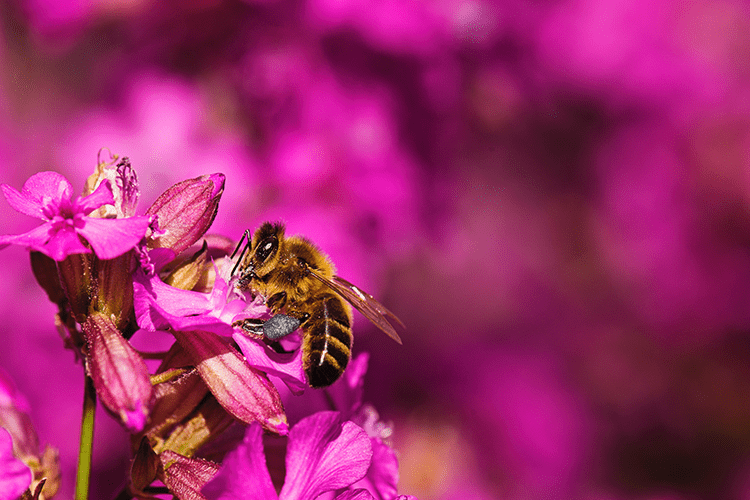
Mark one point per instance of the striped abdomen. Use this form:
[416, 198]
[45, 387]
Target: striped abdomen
[327, 339]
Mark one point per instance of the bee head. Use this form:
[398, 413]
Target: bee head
[266, 247]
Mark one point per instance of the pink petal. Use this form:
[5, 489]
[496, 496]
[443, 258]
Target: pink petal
[22, 203]
[54, 243]
[324, 455]
[47, 189]
[382, 477]
[346, 393]
[64, 241]
[243, 391]
[158, 305]
[286, 366]
[243, 473]
[10, 396]
[102, 195]
[15, 476]
[111, 238]
[185, 477]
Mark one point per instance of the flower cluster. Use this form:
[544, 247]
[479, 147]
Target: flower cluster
[114, 276]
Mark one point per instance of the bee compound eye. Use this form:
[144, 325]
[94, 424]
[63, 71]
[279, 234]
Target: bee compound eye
[266, 248]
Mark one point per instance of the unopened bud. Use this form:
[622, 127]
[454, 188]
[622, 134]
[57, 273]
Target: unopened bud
[185, 211]
[119, 373]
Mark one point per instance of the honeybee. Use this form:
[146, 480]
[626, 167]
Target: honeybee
[295, 277]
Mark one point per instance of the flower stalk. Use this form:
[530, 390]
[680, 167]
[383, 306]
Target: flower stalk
[83, 474]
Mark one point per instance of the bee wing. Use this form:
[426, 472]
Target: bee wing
[364, 303]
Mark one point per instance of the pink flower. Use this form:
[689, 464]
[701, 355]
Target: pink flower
[159, 306]
[22, 466]
[47, 195]
[15, 476]
[323, 454]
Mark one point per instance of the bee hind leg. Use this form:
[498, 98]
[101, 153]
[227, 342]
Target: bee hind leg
[280, 326]
[275, 328]
[251, 326]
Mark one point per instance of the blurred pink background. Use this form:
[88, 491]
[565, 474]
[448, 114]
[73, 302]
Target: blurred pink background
[553, 196]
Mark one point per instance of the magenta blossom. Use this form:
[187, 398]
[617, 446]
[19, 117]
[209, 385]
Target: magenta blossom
[159, 306]
[324, 454]
[15, 476]
[47, 195]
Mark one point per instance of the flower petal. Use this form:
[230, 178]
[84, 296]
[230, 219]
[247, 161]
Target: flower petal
[102, 195]
[346, 393]
[54, 243]
[243, 473]
[382, 476]
[158, 305]
[15, 476]
[22, 203]
[47, 189]
[111, 238]
[286, 366]
[324, 455]
[243, 391]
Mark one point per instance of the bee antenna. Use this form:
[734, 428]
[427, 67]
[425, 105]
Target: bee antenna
[245, 235]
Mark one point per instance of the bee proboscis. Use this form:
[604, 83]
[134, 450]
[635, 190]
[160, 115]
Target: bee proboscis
[295, 277]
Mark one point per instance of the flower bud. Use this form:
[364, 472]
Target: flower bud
[243, 391]
[119, 373]
[185, 211]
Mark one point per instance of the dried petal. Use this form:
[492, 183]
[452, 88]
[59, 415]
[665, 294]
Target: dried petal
[207, 422]
[185, 477]
[119, 373]
[124, 183]
[176, 398]
[145, 466]
[45, 272]
[358, 494]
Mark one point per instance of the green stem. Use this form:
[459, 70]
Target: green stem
[83, 474]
